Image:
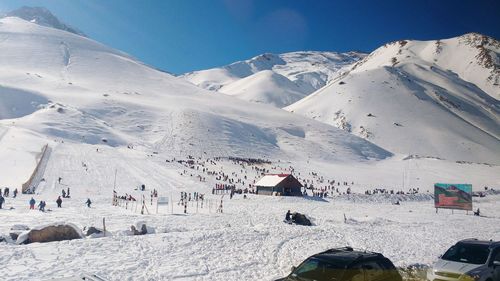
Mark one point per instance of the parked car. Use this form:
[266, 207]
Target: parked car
[468, 260]
[345, 264]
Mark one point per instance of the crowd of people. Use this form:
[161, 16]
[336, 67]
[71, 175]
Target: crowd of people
[243, 173]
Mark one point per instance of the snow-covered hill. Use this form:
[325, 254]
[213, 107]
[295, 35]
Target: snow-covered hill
[67, 87]
[432, 98]
[266, 87]
[286, 78]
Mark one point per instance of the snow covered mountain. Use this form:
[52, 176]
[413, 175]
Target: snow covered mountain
[59, 85]
[286, 78]
[42, 16]
[431, 98]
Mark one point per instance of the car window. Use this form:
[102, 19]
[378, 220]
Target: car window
[386, 264]
[373, 271]
[354, 274]
[315, 269]
[475, 254]
[497, 256]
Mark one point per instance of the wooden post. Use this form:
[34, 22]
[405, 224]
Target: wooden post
[104, 226]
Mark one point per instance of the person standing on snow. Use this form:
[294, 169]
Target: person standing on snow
[288, 216]
[2, 200]
[32, 203]
[15, 193]
[41, 206]
[59, 202]
[88, 202]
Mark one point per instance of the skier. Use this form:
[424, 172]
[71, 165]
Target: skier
[63, 192]
[67, 193]
[2, 200]
[32, 203]
[15, 193]
[6, 192]
[59, 202]
[88, 202]
[59, 180]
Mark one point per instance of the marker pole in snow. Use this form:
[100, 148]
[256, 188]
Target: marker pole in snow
[104, 226]
[114, 183]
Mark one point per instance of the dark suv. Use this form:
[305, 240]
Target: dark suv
[345, 264]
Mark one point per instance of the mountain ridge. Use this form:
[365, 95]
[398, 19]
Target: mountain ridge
[43, 17]
[418, 97]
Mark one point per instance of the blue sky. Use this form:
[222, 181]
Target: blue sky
[186, 35]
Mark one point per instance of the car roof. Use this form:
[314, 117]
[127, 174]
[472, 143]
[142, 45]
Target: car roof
[343, 257]
[473, 241]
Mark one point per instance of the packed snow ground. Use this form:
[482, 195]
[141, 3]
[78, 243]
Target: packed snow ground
[249, 240]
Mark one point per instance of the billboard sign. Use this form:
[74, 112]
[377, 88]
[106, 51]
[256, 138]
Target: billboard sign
[453, 196]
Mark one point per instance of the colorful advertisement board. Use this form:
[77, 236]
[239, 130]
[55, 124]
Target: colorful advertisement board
[453, 196]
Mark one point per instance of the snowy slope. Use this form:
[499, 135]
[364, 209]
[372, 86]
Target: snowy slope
[64, 86]
[298, 74]
[415, 98]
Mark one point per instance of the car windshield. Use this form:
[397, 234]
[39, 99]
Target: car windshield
[475, 254]
[318, 270]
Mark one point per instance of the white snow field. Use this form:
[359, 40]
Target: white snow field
[431, 98]
[103, 113]
[277, 80]
[249, 240]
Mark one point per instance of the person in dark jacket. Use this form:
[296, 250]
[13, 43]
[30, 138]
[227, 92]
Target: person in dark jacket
[2, 200]
[32, 203]
[288, 216]
[88, 202]
[41, 206]
[59, 202]
[15, 193]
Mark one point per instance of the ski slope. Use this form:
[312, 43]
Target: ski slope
[409, 98]
[64, 86]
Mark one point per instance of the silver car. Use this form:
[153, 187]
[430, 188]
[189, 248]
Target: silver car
[468, 260]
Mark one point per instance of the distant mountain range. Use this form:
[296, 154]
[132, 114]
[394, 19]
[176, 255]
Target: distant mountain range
[278, 80]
